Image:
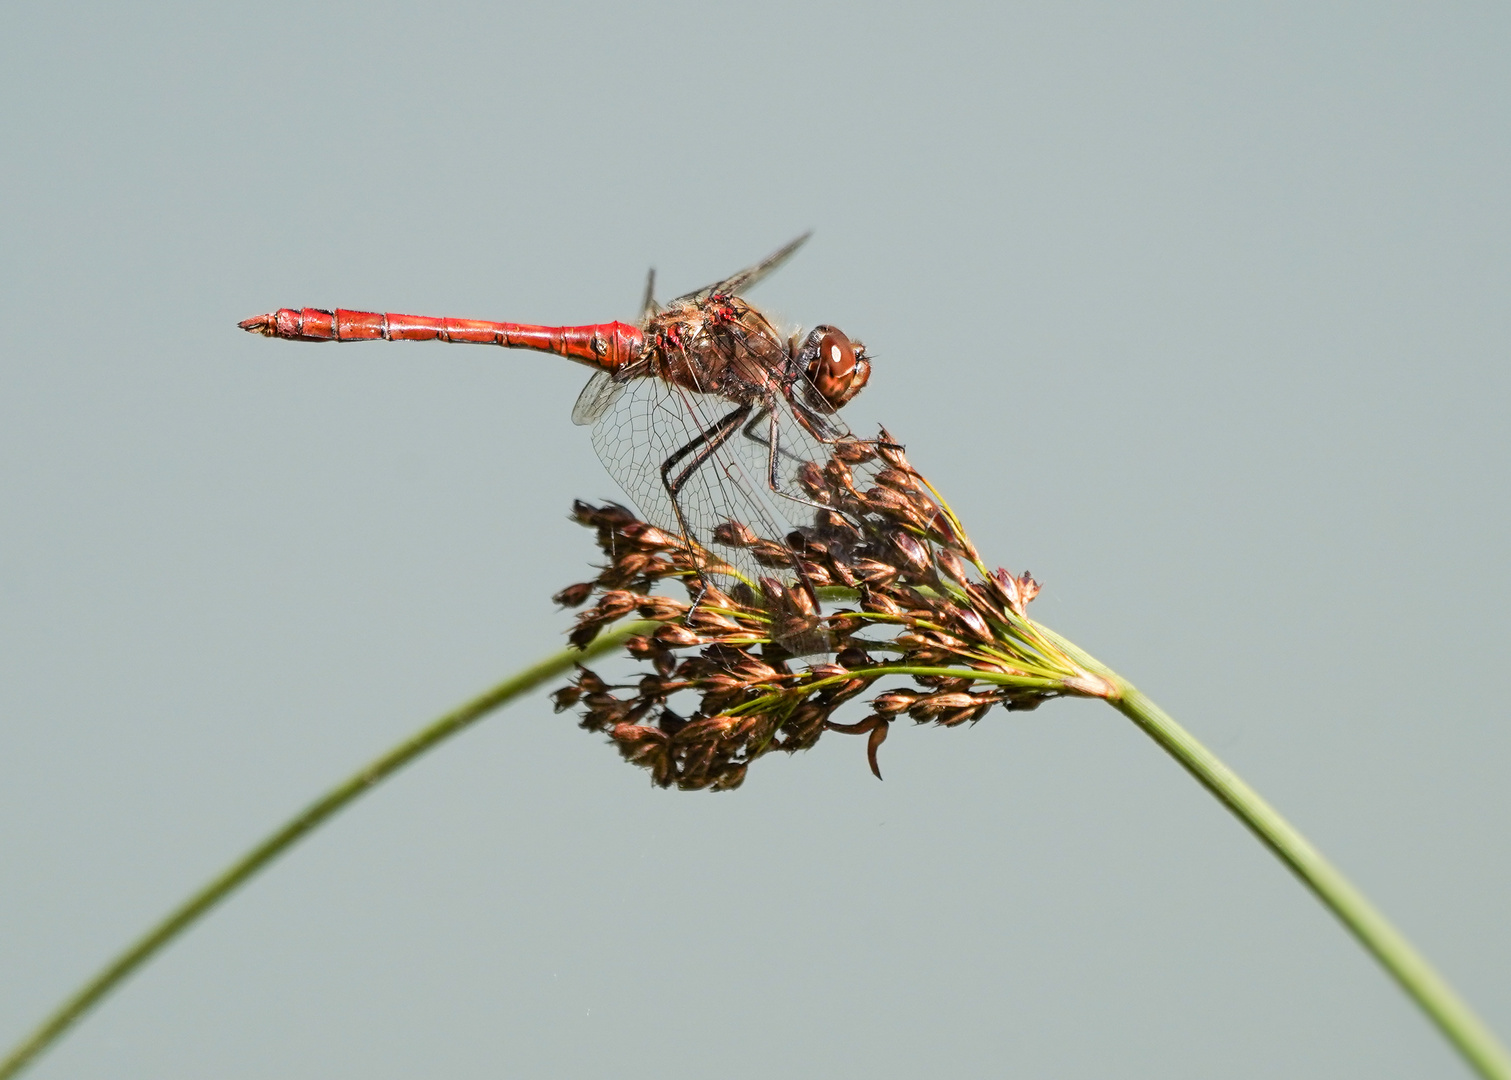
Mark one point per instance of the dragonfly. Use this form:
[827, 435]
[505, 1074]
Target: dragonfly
[702, 411]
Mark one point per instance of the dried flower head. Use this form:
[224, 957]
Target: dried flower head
[916, 605]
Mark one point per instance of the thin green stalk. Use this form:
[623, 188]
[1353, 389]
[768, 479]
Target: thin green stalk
[1453, 1016]
[314, 815]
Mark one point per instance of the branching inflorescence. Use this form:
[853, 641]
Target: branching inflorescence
[913, 589]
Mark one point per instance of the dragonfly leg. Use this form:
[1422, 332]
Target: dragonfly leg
[700, 449]
[822, 430]
[751, 431]
[773, 466]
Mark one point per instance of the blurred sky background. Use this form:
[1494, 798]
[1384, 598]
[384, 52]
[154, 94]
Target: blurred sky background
[1199, 313]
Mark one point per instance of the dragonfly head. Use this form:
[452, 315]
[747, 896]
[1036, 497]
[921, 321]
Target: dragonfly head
[837, 367]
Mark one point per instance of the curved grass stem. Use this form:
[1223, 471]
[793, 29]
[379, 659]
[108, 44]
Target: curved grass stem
[1455, 1019]
[1453, 1016]
[305, 822]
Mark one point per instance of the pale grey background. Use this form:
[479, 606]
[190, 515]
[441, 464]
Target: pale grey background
[1200, 315]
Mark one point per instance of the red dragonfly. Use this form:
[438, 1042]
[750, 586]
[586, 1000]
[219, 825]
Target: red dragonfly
[703, 412]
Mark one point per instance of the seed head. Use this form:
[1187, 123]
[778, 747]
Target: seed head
[954, 637]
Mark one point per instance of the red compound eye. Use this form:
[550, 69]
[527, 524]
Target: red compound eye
[836, 371]
[836, 357]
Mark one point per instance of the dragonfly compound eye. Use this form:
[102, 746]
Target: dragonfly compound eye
[837, 368]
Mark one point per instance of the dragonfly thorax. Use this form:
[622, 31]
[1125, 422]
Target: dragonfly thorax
[719, 345]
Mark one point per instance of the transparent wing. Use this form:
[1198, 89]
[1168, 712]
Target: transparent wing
[648, 306]
[596, 398]
[652, 422]
[751, 275]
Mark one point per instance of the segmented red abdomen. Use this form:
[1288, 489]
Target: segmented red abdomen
[601, 345]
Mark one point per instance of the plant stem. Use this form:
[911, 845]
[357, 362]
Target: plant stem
[314, 815]
[1415, 975]
[1453, 1016]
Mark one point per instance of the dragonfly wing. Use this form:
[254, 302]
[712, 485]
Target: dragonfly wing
[648, 306]
[649, 423]
[596, 398]
[653, 422]
[751, 275]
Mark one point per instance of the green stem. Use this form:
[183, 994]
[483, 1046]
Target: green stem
[1453, 1016]
[314, 815]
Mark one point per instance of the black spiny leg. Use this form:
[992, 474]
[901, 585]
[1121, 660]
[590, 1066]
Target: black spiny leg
[712, 437]
[774, 455]
[701, 449]
[755, 436]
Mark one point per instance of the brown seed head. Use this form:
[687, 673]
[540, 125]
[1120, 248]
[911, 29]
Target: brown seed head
[677, 637]
[662, 608]
[574, 595]
[857, 453]
[647, 536]
[813, 482]
[914, 555]
[894, 701]
[733, 534]
[616, 604]
[919, 603]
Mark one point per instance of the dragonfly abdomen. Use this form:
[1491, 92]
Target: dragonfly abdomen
[602, 345]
